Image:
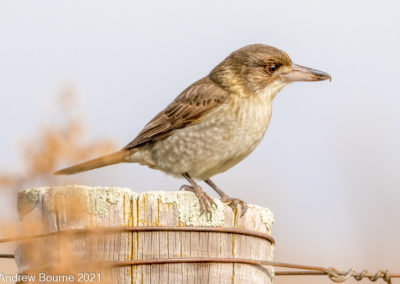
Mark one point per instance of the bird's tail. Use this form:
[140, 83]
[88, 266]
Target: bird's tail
[113, 158]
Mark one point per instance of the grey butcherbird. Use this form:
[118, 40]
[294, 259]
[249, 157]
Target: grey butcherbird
[214, 123]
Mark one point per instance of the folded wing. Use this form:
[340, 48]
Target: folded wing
[187, 109]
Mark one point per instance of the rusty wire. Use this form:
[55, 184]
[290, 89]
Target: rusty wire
[333, 274]
[142, 229]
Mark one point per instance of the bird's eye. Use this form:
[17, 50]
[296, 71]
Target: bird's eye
[271, 68]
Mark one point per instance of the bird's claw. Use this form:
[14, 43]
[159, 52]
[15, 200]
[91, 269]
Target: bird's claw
[235, 203]
[205, 201]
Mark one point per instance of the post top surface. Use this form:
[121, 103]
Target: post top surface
[98, 200]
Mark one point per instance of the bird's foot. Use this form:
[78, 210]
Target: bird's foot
[205, 201]
[235, 204]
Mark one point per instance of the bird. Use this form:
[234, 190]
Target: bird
[214, 123]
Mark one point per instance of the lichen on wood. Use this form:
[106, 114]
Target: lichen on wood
[75, 206]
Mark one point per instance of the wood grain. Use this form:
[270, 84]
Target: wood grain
[72, 207]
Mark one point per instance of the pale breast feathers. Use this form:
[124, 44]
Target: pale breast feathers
[187, 109]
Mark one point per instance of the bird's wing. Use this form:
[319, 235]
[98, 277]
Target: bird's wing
[187, 109]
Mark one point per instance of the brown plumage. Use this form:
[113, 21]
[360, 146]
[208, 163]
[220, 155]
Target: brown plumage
[106, 160]
[214, 123]
[190, 106]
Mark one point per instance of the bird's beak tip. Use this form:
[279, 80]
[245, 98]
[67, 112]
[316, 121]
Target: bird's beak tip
[325, 77]
[322, 76]
[306, 74]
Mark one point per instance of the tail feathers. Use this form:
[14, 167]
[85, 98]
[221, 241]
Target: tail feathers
[114, 158]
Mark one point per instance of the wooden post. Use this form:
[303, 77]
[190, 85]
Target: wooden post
[51, 209]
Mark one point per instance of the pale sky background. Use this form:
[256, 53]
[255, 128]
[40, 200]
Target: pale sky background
[328, 167]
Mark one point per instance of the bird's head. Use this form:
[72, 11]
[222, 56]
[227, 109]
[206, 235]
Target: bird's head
[254, 68]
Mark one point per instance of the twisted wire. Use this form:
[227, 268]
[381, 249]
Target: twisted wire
[333, 274]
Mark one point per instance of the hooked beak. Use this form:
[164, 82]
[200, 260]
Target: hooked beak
[305, 74]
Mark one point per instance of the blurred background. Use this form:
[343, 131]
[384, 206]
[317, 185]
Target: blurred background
[79, 79]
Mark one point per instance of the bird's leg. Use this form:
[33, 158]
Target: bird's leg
[234, 203]
[205, 201]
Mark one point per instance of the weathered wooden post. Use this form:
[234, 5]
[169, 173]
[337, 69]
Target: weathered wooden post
[76, 210]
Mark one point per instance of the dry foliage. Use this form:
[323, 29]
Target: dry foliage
[64, 254]
[55, 146]
[61, 143]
